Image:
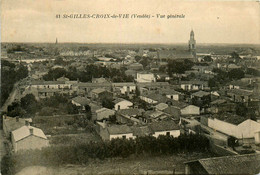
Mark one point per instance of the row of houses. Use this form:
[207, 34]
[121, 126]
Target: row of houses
[109, 132]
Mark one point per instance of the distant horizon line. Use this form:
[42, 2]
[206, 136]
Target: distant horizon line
[126, 43]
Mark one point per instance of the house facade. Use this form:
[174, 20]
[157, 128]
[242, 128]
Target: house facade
[27, 138]
[243, 130]
[122, 104]
[190, 110]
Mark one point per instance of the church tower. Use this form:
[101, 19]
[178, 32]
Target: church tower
[192, 43]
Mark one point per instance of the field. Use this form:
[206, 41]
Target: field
[62, 124]
[140, 165]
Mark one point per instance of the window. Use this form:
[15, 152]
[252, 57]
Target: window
[124, 137]
[168, 133]
[118, 107]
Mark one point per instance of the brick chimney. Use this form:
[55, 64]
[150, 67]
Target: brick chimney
[31, 131]
[27, 123]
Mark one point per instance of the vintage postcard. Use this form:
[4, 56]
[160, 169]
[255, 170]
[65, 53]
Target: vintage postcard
[130, 87]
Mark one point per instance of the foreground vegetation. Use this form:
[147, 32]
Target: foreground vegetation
[82, 154]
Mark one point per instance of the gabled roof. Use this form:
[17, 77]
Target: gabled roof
[141, 131]
[240, 92]
[24, 132]
[230, 118]
[218, 101]
[178, 104]
[118, 100]
[104, 110]
[81, 100]
[154, 114]
[164, 126]
[200, 94]
[98, 90]
[130, 112]
[119, 129]
[123, 84]
[161, 106]
[238, 164]
[168, 91]
[104, 113]
[171, 110]
[157, 97]
[63, 79]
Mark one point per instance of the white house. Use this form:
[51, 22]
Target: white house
[257, 137]
[115, 131]
[122, 104]
[193, 85]
[125, 88]
[246, 129]
[165, 128]
[28, 137]
[145, 78]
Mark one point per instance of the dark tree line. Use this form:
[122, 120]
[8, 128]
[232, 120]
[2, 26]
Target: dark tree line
[81, 154]
[91, 71]
[10, 74]
[179, 66]
[28, 106]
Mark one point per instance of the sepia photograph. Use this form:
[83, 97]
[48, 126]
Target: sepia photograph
[127, 87]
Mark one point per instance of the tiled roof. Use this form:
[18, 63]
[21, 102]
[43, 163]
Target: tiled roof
[239, 164]
[131, 112]
[24, 131]
[141, 131]
[164, 126]
[118, 100]
[81, 100]
[119, 129]
[123, 84]
[201, 94]
[230, 118]
[98, 90]
[161, 106]
[218, 101]
[240, 92]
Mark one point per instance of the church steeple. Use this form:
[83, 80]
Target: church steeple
[192, 43]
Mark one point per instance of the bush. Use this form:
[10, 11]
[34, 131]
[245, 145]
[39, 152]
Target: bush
[81, 153]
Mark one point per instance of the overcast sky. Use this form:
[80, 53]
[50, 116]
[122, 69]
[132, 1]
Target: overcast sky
[212, 22]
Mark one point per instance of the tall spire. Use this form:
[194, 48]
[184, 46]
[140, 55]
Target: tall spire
[56, 41]
[192, 43]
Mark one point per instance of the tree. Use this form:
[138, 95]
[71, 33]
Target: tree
[112, 119]
[207, 58]
[236, 74]
[108, 103]
[212, 83]
[241, 109]
[29, 104]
